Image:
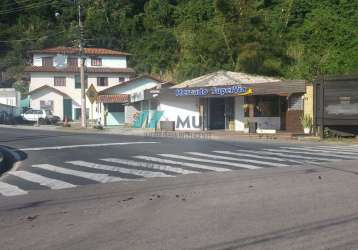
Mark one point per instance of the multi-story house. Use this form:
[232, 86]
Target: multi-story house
[55, 77]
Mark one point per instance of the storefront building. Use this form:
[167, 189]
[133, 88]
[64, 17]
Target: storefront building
[125, 103]
[234, 101]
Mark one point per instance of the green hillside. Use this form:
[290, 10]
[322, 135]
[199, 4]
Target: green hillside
[187, 38]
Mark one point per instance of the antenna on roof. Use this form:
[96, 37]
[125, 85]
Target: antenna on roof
[60, 61]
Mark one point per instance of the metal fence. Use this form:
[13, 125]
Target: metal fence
[10, 110]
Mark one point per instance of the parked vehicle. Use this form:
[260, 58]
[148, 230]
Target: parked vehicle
[41, 116]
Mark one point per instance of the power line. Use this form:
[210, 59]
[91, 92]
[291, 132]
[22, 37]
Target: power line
[27, 7]
[31, 39]
[15, 3]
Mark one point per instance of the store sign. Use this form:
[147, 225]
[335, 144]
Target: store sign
[215, 91]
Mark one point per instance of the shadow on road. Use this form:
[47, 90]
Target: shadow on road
[11, 156]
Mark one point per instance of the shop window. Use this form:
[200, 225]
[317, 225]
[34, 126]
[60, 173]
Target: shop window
[102, 81]
[266, 106]
[60, 81]
[247, 101]
[115, 107]
[78, 81]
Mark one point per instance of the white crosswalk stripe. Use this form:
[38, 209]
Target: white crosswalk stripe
[143, 173]
[238, 165]
[102, 178]
[343, 149]
[184, 164]
[240, 160]
[162, 165]
[10, 190]
[316, 156]
[251, 155]
[335, 150]
[42, 180]
[302, 159]
[149, 165]
[319, 152]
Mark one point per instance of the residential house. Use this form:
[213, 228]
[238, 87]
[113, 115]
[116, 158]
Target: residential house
[10, 97]
[55, 77]
[10, 101]
[122, 103]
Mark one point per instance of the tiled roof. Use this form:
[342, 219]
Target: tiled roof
[76, 69]
[113, 98]
[49, 87]
[136, 79]
[222, 78]
[87, 51]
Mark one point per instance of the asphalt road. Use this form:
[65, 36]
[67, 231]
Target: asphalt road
[97, 191]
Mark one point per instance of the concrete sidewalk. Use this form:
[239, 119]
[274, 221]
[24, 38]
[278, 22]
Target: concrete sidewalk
[221, 135]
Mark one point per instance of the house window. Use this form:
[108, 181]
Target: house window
[78, 81]
[72, 61]
[47, 61]
[95, 61]
[102, 81]
[46, 105]
[121, 79]
[59, 81]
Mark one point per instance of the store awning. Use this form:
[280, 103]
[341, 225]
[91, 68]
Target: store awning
[119, 98]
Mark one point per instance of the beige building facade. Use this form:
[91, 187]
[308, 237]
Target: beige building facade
[55, 80]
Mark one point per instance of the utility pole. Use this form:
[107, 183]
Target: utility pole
[82, 70]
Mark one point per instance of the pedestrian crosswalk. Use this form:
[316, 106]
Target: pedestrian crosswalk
[141, 167]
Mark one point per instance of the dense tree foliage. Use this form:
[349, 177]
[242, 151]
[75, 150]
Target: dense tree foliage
[187, 38]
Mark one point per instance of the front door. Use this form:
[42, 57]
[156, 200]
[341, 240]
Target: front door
[217, 113]
[67, 109]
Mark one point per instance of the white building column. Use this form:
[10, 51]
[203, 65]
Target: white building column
[239, 113]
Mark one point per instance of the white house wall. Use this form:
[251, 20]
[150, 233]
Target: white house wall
[184, 111]
[40, 79]
[107, 61]
[134, 87]
[48, 95]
